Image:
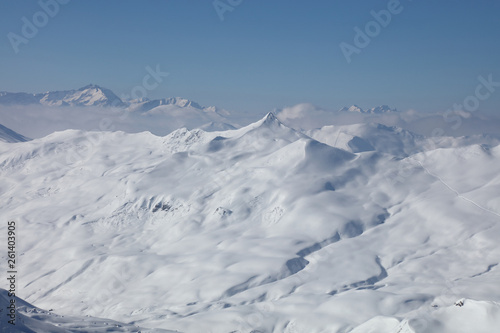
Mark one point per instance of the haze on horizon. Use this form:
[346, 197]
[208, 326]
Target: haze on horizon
[256, 56]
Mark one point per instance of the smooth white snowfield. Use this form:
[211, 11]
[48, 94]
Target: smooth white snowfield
[29, 318]
[260, 229]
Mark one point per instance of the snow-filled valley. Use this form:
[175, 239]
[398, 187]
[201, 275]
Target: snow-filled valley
[359, 228]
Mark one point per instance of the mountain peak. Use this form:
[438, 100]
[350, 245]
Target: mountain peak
[352, 108]
[375, 110]
[268, 120]
[381, 109]
[183, 102]
[90, 95]
[96, 95]
[145, 105]
[90, 86]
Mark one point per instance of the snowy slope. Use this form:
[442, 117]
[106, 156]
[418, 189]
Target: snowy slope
[369, 137]
[392, 140]
[375, 110]
[90, 95]
[181, 112]
[29, 318]
[147, 105]
[8, 135]
[258, 229]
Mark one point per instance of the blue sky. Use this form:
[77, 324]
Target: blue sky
[263, 55]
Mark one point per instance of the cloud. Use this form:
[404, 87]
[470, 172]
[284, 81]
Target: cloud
[36, 121]
[455, 123]
[304, 116]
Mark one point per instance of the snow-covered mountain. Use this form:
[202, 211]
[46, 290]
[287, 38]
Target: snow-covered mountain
[91, 95]
[94, 95]
[183, 112]
[145, 105]
[30, 318]
[93, 107]
[258, 229]
[391, 140]
[366, 137]
[376, 110]
[8, 135]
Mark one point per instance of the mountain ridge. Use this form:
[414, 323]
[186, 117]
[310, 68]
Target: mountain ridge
[375, 110]
[200, 229]
[11, 136]
[95, 95]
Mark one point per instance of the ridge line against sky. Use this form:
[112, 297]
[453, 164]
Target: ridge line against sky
[261, 55]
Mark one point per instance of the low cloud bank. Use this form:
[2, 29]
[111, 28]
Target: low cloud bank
[457, 123]
[36, 121]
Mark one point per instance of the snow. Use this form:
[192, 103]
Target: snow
[8, 135]
[369, 137]
[95, 108]
[147, 105]
[91, 95]
[352, 108]
[256, 229]
[94, 95]
[376, 110]
[29, 318]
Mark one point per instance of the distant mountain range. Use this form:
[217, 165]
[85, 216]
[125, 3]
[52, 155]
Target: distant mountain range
[91, 95]
[376, 110]
[94, 95]
[160, 116]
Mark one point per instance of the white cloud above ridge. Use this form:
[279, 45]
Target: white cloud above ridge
[36, 121]
[306, 116]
